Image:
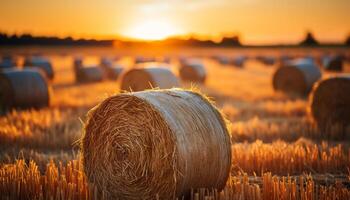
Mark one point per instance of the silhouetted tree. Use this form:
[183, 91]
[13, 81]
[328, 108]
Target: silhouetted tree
[309, 40]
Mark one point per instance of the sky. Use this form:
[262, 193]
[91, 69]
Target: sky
[255, 21]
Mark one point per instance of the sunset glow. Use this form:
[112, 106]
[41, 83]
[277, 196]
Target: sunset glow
[151, 30]
[256, 21]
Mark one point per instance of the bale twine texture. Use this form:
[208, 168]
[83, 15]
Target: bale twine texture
[138, 79]
[156, 143]
[41, 63]
[296, 77]
[330, 102]
[88, 74]
[193, 71]
[26, 88]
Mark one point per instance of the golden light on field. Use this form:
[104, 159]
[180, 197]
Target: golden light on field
[151, 30]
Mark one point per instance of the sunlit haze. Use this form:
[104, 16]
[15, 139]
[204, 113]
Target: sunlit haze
[255, 21]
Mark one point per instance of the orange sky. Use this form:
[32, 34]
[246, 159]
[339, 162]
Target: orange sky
[256, 21]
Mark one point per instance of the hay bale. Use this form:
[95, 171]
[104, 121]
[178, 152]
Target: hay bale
[88, 74]
[7, 62]
[296, 77]
[138, 79]
[141, 59]
[113, 72]
[27, 88]
[238, 61]
[78, 62]
[158, 142]
[41, 63]
[330, 102]
[223, 60]
[106, 62]
[266, 60]
[333, 63]
[193, 70]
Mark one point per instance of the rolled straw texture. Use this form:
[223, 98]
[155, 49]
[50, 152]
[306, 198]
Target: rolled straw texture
[27, 88]
[193, 71]
[330, 101]
[156, 143]
[138, 79]
[296, 77]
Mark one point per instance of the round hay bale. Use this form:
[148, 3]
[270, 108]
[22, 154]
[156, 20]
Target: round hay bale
[7, 62]
[223, 60]
[113, 72]
[41, 63]
[296, 77]
[266, 60]
[333, 63]
[78, 62]
[157, 142]
[106, 62]
[193, 71]
[330, 102]
[238, 61]
[88, 74]
[138, 79]
[27, 88]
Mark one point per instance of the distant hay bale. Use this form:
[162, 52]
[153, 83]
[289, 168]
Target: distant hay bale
[41, 63]
[88, 74]
[106, 62]
[156, 143]
[7, 62]
[223, 60]
[296, 77]
[266, 60]
[333, 63]
[142, 59]
[138, 79]
[238, 61]
[193, 71]
[113, 72]
[78, 62]
[27, 88]
[330, 102]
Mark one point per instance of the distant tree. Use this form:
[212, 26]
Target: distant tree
[309, 40]
[347, 41]
[230, 41]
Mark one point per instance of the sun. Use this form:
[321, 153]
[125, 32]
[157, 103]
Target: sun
[151, 30]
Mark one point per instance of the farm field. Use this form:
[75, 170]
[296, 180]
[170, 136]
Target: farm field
[277, 150]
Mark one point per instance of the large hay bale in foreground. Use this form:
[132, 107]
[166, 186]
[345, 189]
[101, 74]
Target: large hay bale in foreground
[330, 102]
[88, 74]
[157, 142]
[296, 77]
[193, 71]
[138, 79]
[27, 88]
[41, 63]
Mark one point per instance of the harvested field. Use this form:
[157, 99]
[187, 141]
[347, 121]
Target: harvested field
[278, 151]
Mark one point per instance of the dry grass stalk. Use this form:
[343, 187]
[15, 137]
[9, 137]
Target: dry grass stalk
[290, 158]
